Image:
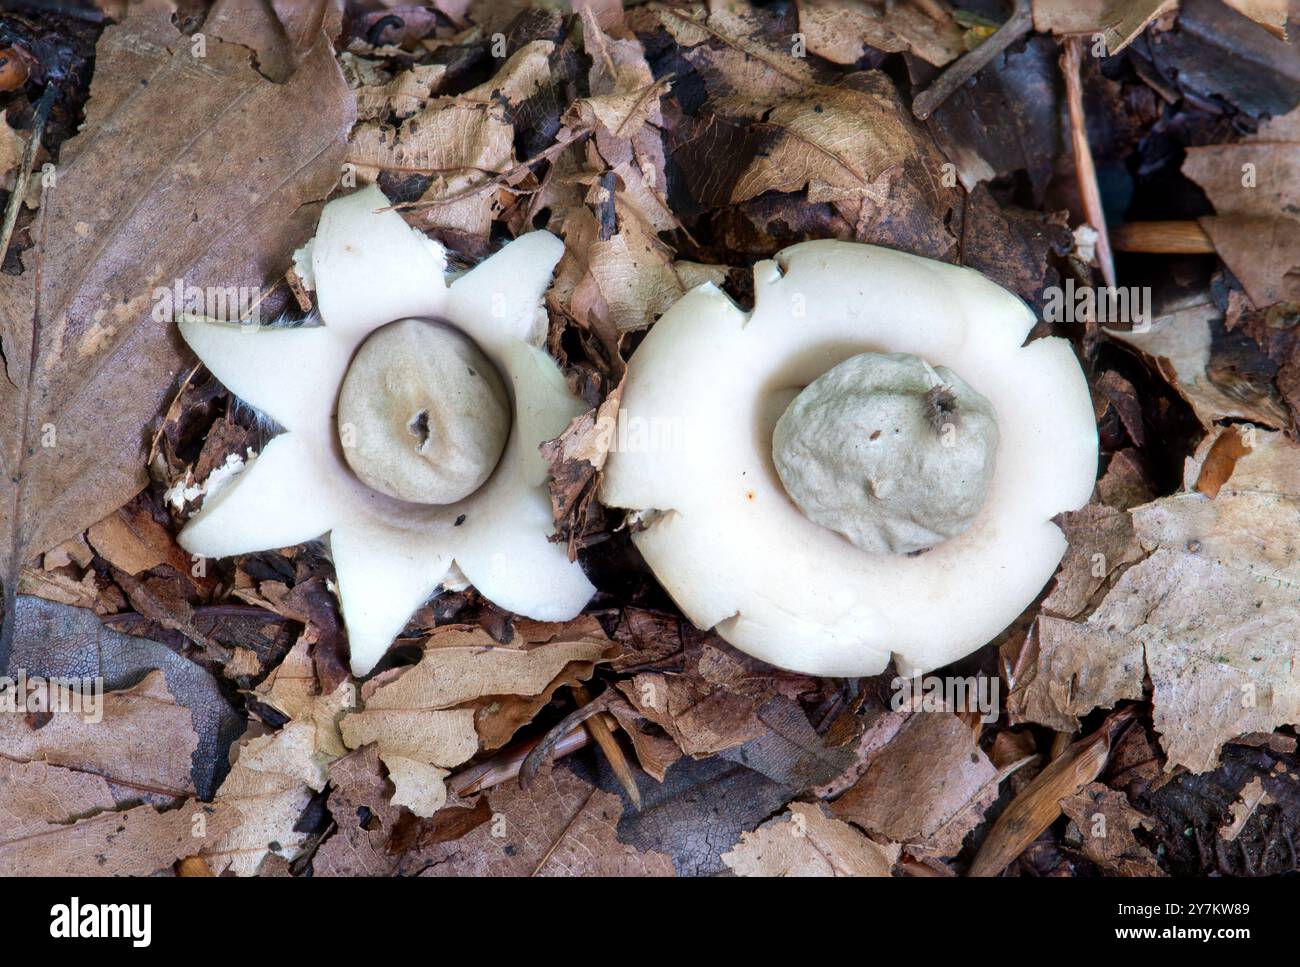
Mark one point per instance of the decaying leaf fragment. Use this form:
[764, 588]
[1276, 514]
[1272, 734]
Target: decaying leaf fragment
[807, 842]
[1105, 822]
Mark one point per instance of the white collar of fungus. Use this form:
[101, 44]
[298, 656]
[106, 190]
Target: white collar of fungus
[774, 517]
[412, 414]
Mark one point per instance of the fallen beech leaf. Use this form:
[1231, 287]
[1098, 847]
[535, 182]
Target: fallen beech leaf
[655, 752]
[401, 95]
[130, 539]
[293, 689]
[743, 66]
[839, 31]
[418, 786]
[143, 744]
[463, 142]
[1269, 14]
[926, 789]
[1100, 540]
[807, 842]
[1106, 821]
[100, 366]
[1179, 344]
[1253, 185]
[560, 826]
[466, 691]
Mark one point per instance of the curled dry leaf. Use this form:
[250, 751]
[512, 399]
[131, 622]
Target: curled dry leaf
[807, 842]
[1179, 344]
[269, 786]
[1118, 23]
[1039, 804]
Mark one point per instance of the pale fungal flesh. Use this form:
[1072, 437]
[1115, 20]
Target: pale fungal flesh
[369, 269]
[888, 451]
[725, 539]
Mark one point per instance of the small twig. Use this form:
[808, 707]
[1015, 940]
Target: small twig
[39, 118]
[504, 766]
[1162, 238]
[542, 753]
[968, 65]
[604, 736]
[1071, 57]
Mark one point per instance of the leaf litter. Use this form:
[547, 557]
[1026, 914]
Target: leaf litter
[667, 145]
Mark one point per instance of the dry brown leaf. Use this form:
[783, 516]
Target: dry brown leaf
[365, 819]
[1100, 540]
[142, 745]
[1253, 185]
[467, 691]
[131, 540]
[293, 689]
[1269, 14]
[839, 31]
[380, 94]
[1211, 609]
[1105, 822]
[743, 69]
[418, 786]
[1038, 804]
[134, 842]
[560, 826]
[464, 142]
[269, 786]
[926, 789]
[1118, 21]
[807, 842]
[855, 145]
[101, 367]
[1179, 343]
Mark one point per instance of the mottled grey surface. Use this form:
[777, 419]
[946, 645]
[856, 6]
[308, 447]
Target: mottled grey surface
[56, 640]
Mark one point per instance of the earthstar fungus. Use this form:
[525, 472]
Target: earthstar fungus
[412, 417]
[868, 464]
